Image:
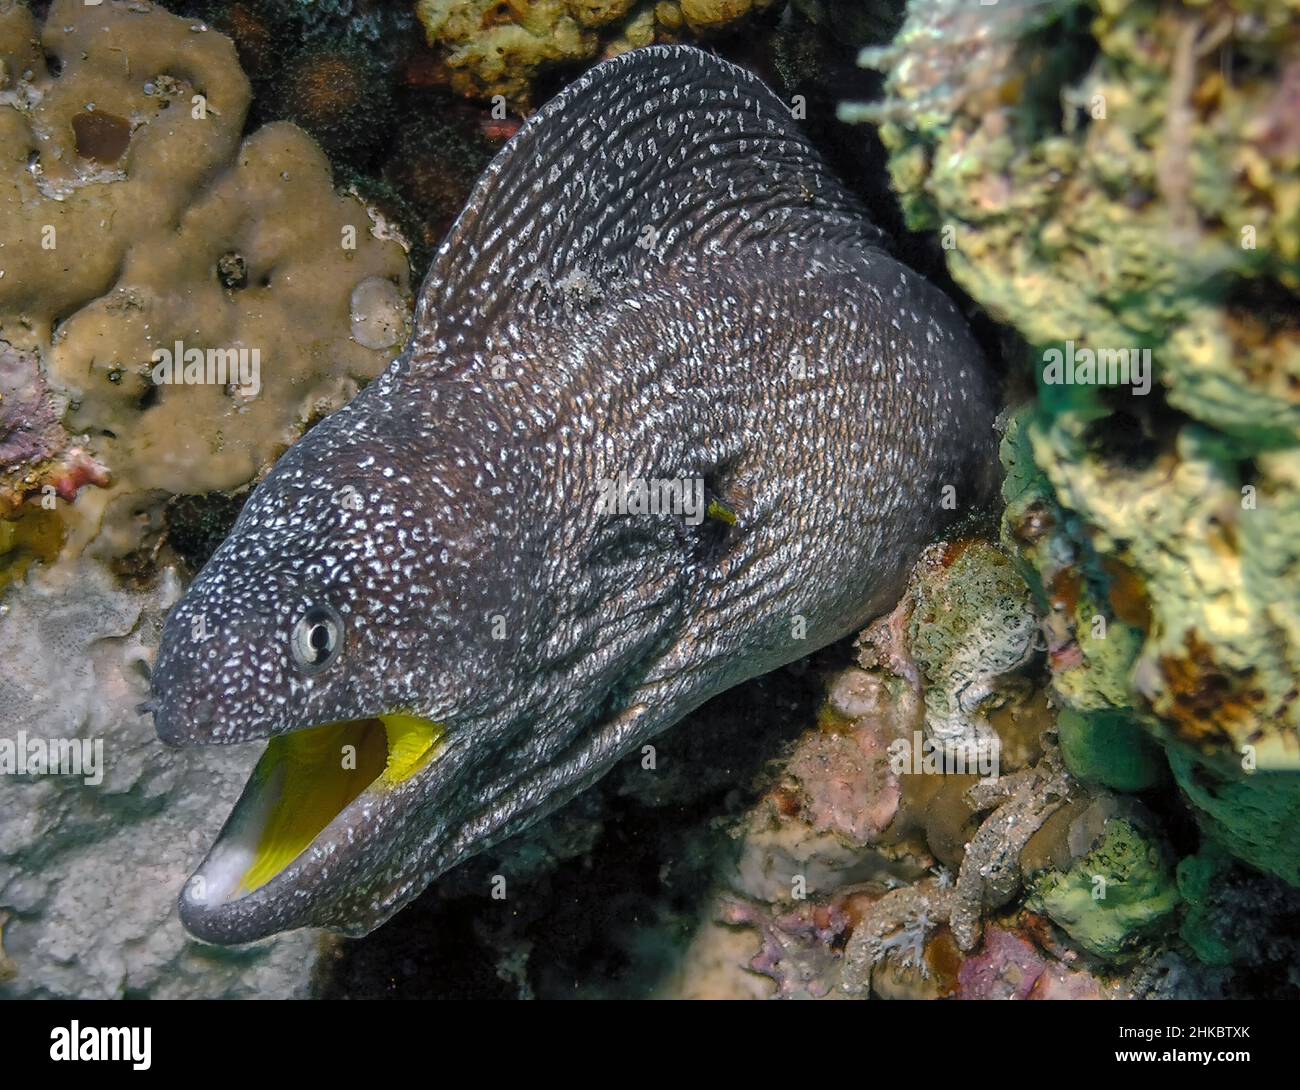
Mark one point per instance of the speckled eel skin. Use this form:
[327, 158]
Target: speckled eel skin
[427, 606]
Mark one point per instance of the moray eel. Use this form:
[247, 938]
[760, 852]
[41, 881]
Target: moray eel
[430, 608]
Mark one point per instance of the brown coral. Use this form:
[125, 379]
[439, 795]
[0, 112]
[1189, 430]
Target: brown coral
[182, 237]
[492, 48]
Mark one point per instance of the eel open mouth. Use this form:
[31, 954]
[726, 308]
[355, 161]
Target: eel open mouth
[304, 781]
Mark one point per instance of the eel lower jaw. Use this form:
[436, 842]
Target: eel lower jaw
[307, 795]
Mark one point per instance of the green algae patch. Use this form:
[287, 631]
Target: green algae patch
[1113, 897]
[1110, 749]
[1203, 927]
[1251, 815]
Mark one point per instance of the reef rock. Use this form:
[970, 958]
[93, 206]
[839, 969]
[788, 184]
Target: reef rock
[1105, 181]
[90, 862]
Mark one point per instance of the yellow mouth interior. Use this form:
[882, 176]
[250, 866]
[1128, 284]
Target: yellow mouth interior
[316, 773]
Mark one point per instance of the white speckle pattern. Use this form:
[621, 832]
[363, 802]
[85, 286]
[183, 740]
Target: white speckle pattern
[658, 276]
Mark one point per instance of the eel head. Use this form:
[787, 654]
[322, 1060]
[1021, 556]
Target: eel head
[358, 641]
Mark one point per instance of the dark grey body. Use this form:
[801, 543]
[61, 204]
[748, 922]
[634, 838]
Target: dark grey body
[657, 277]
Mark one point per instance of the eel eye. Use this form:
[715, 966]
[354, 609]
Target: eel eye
[317, 639]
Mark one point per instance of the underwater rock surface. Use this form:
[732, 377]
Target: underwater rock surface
[89, 870]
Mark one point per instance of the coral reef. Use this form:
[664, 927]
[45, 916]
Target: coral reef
[1024, 884]
[172, 236]
[1124, 178]
[857, 904]
[328, 66]
[798, 949]
[1236, 918]
[990, 874]
[823, 825]
[1105, 174]
[1110, 749]
[1253, 816]
[966, 622]
[490, 48]
[336, 97]
[356, 75]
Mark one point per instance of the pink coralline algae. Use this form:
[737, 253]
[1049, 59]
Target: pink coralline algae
[35, 450]
[800, 949]
[1007, 967]
[846, 781]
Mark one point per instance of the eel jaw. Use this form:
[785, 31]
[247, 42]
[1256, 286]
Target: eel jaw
[307, 799]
